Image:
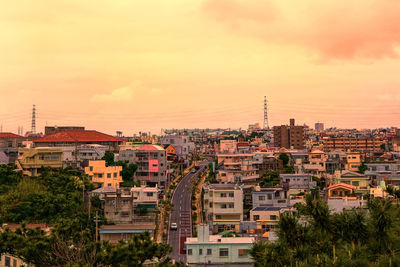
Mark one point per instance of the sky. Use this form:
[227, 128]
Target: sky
[133, 65]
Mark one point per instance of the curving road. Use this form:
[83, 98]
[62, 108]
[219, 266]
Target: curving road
[181, 213]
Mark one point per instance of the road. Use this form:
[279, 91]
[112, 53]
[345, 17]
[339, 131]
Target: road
[181, 213]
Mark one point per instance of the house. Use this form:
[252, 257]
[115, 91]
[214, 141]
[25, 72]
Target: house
[316, 163]
[236, 167]
[297, 183]
[31, 160]
[267, 217]
[227, 146]
[215, 250]
[353, 161]
[152, 164]
[78, 137]
[270, 197]
[353, 178]
[342, 196]
[388, 172]
[182, 145]
[136, 205]
[102, 175]
[171, 152]
[223, 206]
[79, 156]
[9, 144]
[114, 233]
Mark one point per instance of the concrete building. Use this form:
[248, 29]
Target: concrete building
[254, 127]
[360, 181]
[270, 197]
[79, 156]
[136, 205]
[102, 175]
[388, 172]
[291, 136]
[297, 183]
[227, 146]
[181, 143]
[152, 164]
[31, 160]
[223, 206]
[362, 144]
[55, 129]
[267, 217]
[353, 161]
[319, 126]
[342, 197]
[76, 138]
[236, 167]
[215, 250]
[316, 163]
[9, 144]
[115, 233]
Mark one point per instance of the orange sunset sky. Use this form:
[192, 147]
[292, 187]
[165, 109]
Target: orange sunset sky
[135, 65]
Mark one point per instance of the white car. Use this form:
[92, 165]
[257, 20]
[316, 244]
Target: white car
[174, 226]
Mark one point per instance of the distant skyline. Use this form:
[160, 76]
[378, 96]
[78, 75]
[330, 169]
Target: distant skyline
[145, 65]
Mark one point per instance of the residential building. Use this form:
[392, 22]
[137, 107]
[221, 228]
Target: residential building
[316, 163]
[254, 127]
[388, 172]
[360, 181]
[79, 156]
[136, 205]
[336, 161]
[291, 136]
[115, 233]
[297, 183]
[55, 129]
[181, 143]
[103, 175]
[152, 164]
[223, 206]
[3, 158]
[227, 146]
[215, 250]
[236, 167]
[353, 161]
[265, 162]
[9, 144]
[361, 144]
[76, 138]
[342, 197]
[270, 197]
[319, 126]
[267, 217]
[31, 160]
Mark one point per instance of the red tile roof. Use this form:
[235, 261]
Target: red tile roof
[150, 147]
[77, 136]
[10, 135]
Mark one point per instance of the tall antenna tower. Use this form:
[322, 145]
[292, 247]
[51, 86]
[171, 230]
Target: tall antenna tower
[33, 129]
[265, 125]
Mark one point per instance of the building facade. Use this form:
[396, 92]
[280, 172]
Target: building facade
[31, 160]
[102, 175]
[291, 136]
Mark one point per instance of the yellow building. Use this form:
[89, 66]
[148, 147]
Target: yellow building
[360, 181]
[353, 160]
[104, 176]
[31, 160]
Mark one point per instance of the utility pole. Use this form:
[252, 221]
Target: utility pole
[96, 220]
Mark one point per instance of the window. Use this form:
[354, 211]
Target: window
[211, 204]
[109, 185]
[223, 206]
[261, 198]
[209, 251]
[272, 217]
[200, 251]
[218, 217]
[91, 168]
[356, 183]
[111, 202]
[14, 263]
[243, 252]
[7, 261]
[149, 194]
[100, 175]
[269, 196]
[108, 175]
[223, 194]
[231, 205]
[125, 202]
[189, 251]
[231, 194]
[115, 175]
[223, 252]
[256, 217]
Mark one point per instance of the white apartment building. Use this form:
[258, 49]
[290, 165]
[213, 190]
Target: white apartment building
[223, 206]
[215, 250]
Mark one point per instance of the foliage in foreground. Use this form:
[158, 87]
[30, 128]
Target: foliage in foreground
[315, 237]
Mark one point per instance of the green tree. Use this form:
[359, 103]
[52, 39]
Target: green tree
[109, 158]
[362, 168]
[284, 158]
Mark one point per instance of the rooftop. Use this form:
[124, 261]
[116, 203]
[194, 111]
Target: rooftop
[151, 148]
[77, 136]
[267, 209]
[222, 240]
[10, 135]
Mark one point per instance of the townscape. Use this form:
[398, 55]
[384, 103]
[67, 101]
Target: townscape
[288, 195]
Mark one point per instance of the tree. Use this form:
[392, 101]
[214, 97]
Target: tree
[284, 158]
[362, 168]
[109, 158]
[269, 179]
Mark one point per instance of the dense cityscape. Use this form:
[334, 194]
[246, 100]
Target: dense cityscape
[265, 196]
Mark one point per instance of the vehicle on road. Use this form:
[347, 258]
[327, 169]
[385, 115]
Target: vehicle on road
[174, 226]
[193, 170]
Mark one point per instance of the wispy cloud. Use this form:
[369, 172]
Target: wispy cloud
[121, 94]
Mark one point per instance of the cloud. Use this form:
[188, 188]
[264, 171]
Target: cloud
[359, 29]
[121, 94]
